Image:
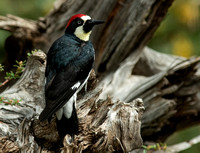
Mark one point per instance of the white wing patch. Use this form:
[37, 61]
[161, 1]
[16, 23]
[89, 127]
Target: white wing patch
[68, 108]
[59, 114]
[77, 85]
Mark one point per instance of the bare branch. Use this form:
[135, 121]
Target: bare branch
[183, 145]
[11, 23]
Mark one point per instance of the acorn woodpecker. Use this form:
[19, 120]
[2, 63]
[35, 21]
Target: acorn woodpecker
[69, 62]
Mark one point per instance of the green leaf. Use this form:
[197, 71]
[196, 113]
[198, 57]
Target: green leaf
[1, 67]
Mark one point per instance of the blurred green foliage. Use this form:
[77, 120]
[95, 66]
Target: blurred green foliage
[26, 9]
[186, 135]
[179, 33]
[23, 8]
[3, 36]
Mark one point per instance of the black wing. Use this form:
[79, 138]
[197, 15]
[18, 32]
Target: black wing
[60, 91]
[59, 83]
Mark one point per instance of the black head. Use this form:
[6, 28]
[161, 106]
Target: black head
[81, 26]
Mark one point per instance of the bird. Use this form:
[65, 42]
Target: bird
[69, 62]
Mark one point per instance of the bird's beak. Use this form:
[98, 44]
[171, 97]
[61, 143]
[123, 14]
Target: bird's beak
[90, 24]
[95, 22]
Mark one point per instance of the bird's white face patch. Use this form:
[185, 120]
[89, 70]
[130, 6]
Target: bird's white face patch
[80, 33]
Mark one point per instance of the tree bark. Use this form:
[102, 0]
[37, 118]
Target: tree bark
[129, 72]
[169, 89]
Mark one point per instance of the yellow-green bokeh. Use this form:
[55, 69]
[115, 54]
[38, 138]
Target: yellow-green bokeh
[179, 33]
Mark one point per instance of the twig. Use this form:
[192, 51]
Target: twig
[3, 84]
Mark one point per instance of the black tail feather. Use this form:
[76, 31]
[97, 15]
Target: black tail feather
[68, 126]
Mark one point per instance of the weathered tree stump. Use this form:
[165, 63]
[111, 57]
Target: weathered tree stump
[112, 126]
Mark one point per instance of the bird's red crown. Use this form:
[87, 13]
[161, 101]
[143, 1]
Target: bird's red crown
[74, 17]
